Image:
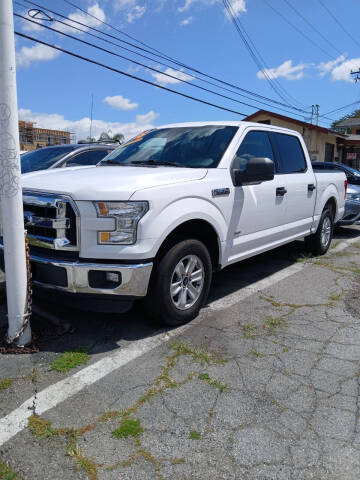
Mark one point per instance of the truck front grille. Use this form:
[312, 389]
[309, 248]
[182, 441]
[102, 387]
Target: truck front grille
[51, 221]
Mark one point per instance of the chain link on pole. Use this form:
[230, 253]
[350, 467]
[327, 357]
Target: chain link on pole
[12, 215]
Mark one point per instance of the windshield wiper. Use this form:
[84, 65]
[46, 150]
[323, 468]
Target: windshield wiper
[160, 163]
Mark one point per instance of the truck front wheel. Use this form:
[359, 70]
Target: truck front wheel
[319, 242]
[180, 284]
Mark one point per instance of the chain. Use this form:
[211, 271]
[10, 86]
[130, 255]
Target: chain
[26, 317]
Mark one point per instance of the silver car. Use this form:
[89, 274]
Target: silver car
[352, 204]
[59, 156]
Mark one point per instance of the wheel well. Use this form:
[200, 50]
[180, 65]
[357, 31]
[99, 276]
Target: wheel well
[198, 229]
[333, 205]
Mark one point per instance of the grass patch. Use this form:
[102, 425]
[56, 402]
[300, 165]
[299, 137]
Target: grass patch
[6, 473]
[69, 360]
[198, 354]
[274, 322]
[6, 383]
[335, 297]
[194, 435]
[129, 427]
[40, 427]
[249, 331]
[257, 354]
[178, 461]
[222, 387]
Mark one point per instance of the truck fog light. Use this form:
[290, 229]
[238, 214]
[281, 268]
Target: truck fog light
[113, 277]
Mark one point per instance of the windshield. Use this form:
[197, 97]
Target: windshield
[43, 158]
[181, 146]
[353, 171]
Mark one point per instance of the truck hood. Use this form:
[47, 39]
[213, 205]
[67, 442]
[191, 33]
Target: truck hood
[107, 182]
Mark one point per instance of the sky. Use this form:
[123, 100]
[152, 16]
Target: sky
[308, 49]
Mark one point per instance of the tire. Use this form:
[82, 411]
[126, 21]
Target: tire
[168, 307]
[319, 242]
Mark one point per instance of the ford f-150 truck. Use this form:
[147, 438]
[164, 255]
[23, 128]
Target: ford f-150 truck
[161, 213]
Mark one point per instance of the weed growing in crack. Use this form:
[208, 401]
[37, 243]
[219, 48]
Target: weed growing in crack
[6, 473]
[129, 427]
[40, 427]
[257, 354]
[69, 360]
[194, 435]
[198, 354]
[274, 322]
[250, 331]
[222, 387]
[6, 383]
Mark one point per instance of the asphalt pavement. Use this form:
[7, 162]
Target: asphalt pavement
[263, 385]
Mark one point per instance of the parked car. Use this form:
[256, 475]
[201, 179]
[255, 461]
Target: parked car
[352, 204]
[64, 156]
[160, 213]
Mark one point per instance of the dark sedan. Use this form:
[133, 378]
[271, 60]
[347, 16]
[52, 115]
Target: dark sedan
[59, 156]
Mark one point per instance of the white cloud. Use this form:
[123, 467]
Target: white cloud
[120, 103]
[238, 6]
[186, 21]
[124, 4]
[81, 127]
[342, 71]
[179, 75]
[38, 53]
[286, 70]
[326, 67]
[135, 13]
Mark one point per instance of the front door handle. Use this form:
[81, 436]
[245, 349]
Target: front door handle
[311, 187]
[280, 191]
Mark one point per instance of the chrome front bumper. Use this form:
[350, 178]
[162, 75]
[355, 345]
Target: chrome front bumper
[75, 276]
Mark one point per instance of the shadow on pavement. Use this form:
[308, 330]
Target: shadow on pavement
[102, 332]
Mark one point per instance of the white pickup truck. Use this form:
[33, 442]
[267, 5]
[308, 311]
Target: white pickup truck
[161, 213]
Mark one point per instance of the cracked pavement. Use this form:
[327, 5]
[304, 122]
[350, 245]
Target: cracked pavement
[264, 389]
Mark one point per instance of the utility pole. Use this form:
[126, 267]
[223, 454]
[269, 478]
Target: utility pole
[357, 74]
[317, 114]
[10, 186]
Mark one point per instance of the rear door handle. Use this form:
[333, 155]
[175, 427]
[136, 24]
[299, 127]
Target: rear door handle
[311, 187]
[280, 191]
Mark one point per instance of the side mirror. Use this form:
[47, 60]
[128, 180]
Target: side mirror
[258, 169]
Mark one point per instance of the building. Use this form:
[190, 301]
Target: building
[351, 145]
[323, 144]
[350, 126]
[32, 137]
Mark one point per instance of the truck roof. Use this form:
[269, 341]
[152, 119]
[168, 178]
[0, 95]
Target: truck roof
[230, 124]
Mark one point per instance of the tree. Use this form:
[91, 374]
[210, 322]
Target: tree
[119, 138]
[354, 114]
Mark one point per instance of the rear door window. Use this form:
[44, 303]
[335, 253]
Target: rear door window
[291, 155]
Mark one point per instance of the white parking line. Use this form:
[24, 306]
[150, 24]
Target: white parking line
[51, 396]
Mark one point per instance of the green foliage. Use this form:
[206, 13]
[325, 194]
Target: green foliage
[40, 427]
[6, 383]
[194, 435]
[69, 360]
[6, 473]
[129, 427]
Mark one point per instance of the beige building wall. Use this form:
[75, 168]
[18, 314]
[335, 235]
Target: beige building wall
[314, 139]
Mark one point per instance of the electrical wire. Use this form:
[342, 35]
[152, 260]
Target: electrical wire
[342, 108]
[236, 87]
[297, 29]
[126, 74]
[339, 23]
[312, 26]
[134, 61]
[254, 53]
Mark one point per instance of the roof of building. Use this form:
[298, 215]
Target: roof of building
[350, 122]
[295, 121]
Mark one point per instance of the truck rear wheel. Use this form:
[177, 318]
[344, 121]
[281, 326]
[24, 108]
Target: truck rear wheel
[181, 283]
[320, 241]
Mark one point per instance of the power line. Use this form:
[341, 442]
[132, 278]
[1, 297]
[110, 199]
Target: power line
[254, 53]
[134, 61]
[129, 75]
[339, 23]
[343, 107]
[249, 92]
[297, 29]
[137, 63]
[312, 26]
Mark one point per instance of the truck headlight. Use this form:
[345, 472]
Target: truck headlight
[354, 197]
[126, 215]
